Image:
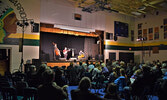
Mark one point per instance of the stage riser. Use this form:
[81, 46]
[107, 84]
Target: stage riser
[59, 64]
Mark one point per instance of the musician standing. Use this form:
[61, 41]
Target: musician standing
[65, 52]
[56, 53]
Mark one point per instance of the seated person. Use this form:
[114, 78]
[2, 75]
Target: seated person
[112, 92]
[49, 90]
[143, 81]
[81, 54]
[82, 93]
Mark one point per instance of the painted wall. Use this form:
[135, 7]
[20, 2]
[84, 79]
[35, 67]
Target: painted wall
[31, 39]
[153, 20]
[123, 41]
[124, 44]
[30, 52]
[61, 13]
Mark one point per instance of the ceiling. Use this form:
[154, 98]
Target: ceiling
[127, 7]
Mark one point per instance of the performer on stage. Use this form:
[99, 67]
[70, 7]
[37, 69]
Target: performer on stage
[81, 54]
[65, 52]
[56, 53]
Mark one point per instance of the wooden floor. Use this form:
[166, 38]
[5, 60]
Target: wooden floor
[58, 63]
[66, 63]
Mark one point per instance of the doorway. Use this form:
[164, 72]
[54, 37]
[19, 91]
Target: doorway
[126, 56]
[112, 56]
[4, 61]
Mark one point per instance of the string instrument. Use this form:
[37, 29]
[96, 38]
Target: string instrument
[66, 51]
[81, 55]
[56, 50]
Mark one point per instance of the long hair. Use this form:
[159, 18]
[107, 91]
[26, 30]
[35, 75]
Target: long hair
[84, 84]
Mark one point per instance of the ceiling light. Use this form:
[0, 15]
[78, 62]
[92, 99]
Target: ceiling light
[136, 13]
[142, 8]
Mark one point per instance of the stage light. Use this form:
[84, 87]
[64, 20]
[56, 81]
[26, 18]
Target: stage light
[18, 23]
[26, 23]
[23, 24]
[32, 22]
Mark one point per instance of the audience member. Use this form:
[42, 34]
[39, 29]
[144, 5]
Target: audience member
[112, 92]
[36, 80]
[59, 78]
[121, 81]
[90, 67]
[104, 69]
[49, 90]
[96, 71]
[164, 68]
[83, 93]
[143, 82]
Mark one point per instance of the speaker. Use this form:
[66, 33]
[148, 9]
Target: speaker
[27, 66]
[45, 57]
[36, 62]
[35, 27]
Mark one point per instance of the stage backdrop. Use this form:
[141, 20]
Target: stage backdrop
[76, 43]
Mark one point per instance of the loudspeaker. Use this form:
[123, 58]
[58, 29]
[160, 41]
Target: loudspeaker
[44, 57]
[27, 66]
[35, 27]
[36, 62]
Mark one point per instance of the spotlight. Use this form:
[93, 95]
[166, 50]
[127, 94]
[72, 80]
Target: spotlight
[26, 23]
[31, 22]
[18, 23]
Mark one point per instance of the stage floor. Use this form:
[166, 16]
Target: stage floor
[66, 63]
[58, 63]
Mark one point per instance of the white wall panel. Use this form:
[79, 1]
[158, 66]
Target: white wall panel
[62, 12]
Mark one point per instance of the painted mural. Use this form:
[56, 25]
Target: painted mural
[7, 22]
[8, 26]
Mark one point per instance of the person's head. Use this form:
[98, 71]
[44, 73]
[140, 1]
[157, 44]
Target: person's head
[42, 68]
[122, 72]
[48, 76]
[71, 63]
[137, 72]
[112, 88]
[122, 63]
[32, 68]
[164, 65]
[84, 84]
[103, 65]
[80, 63]
[84, 65]
[145, 69]
[75, 61]
[158, 65]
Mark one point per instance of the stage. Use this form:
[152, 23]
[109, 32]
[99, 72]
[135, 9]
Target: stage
[66, 63]
[63, 62]
[58, 63]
